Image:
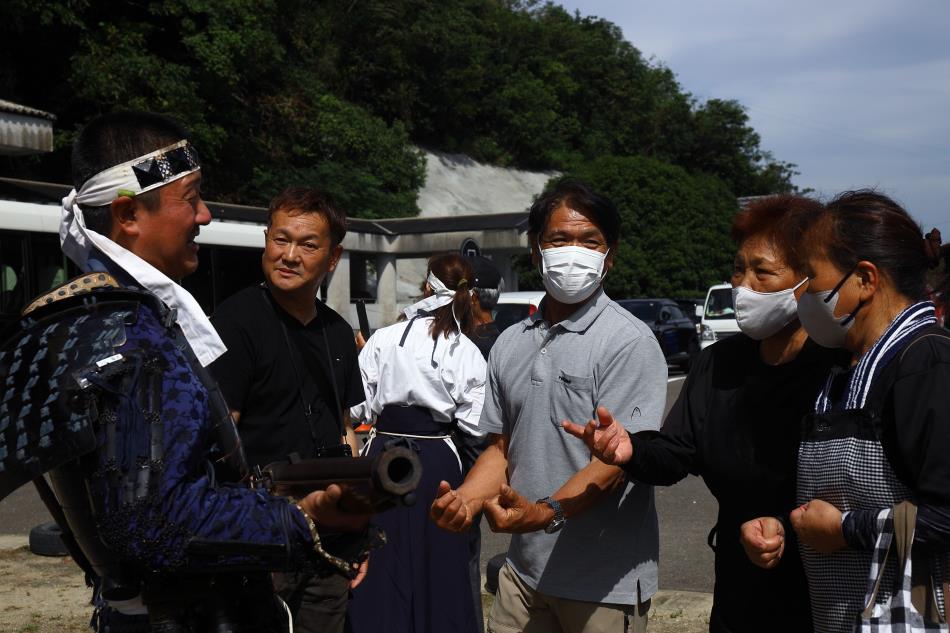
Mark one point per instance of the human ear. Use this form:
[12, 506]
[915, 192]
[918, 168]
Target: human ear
[124, 221]
[869, 279]
[611, 251]
[335, 253]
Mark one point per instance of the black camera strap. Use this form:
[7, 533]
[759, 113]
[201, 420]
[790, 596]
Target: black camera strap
[306, 402]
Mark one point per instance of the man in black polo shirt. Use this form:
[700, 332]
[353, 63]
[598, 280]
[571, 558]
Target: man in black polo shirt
[291, 371]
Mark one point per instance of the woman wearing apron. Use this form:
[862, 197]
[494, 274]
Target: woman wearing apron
[423, 377]
[880, 431]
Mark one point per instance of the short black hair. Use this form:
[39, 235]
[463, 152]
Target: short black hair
[867, 225]
[578, 196]
[111, 139]
[310, 200]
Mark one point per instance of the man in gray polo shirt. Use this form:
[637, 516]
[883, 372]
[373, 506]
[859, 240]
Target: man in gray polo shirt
[583, 558]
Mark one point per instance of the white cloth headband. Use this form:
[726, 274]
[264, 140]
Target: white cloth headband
[139, 175]
[77, 242]
[441, 296]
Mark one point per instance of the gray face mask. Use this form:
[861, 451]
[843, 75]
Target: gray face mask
[816, 312]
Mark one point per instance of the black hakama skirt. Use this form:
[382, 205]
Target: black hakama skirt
[419, 581]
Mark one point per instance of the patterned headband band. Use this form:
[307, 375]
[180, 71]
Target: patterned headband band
[139, 175]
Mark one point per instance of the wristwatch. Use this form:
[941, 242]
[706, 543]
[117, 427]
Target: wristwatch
[559, 519]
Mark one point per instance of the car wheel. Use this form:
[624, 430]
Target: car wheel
[46, 540]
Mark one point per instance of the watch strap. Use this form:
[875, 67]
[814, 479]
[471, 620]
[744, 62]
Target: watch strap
[558, 521]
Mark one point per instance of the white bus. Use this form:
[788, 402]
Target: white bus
[31, 261]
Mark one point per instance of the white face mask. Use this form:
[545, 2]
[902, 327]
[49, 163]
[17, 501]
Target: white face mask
[816, 311]
[572, 273]
[762, 314]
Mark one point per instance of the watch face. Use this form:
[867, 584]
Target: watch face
[554, 525]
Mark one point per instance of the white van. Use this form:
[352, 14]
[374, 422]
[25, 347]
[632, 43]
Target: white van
[515, 306]
[717, 316]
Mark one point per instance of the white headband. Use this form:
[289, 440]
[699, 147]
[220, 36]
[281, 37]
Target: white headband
[441, 296]
[139, 175]
[78, 241]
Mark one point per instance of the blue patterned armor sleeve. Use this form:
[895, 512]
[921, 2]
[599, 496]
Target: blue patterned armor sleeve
[168, 512]
[98, 387]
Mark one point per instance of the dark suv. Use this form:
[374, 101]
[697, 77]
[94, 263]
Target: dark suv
[673, 329]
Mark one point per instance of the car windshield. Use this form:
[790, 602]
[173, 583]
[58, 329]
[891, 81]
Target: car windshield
[719, 304]
[643, 310]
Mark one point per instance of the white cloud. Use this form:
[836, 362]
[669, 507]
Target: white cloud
[856, 92]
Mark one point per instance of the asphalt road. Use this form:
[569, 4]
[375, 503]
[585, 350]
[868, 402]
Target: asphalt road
[687, 512]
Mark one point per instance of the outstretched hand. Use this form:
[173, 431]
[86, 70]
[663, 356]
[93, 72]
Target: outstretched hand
[450, 510]
[763, 540]
[606, 438]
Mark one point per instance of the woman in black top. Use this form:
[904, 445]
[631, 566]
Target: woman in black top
[880, 430]
[736, 423]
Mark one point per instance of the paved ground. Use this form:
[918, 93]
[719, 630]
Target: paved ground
[47, 595]
[41, 594]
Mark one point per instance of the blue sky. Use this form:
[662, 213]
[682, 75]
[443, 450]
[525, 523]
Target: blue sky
[856, 92]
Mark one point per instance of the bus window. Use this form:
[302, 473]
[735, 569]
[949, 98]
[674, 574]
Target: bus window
[13, 292]
[201, 282]
[47, 263]
[222, 271]
[234, 270]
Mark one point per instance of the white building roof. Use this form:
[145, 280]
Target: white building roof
[24, 130]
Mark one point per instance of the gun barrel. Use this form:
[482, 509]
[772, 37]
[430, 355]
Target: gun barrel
[370, 484]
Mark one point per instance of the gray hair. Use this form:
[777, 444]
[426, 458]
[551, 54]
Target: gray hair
[488, 297]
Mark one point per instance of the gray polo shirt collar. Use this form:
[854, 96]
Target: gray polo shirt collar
[580, 319]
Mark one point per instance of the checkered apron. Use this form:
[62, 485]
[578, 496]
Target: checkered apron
[896, 535]
[842, 461]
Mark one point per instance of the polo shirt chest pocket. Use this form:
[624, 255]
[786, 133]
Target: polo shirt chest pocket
[572, 398]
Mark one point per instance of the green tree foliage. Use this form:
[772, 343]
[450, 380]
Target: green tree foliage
[332, 93]
[674, 232]
[531, 85]
[238, 72]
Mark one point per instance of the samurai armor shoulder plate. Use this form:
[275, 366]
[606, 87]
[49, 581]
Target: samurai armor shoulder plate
[47, 409]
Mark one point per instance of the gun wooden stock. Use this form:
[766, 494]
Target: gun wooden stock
[370, 484]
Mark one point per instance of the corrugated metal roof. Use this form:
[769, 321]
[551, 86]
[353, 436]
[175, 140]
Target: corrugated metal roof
[16, 108]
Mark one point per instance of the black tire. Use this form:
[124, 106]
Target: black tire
[46, 540]
[494, 565]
